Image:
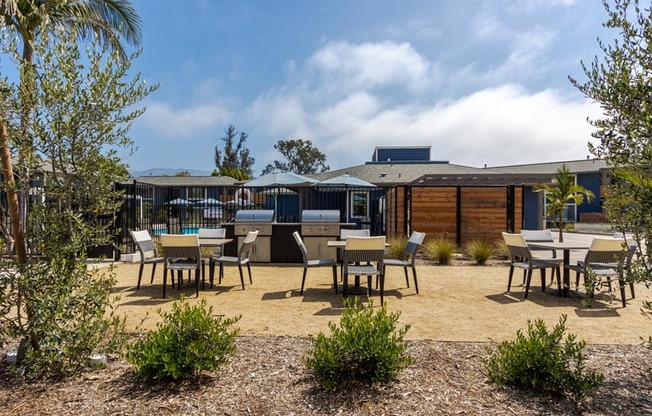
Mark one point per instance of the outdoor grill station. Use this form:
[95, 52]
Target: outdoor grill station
[275, 243]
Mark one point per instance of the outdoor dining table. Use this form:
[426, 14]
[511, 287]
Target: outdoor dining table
[214, 242]
[566, 247]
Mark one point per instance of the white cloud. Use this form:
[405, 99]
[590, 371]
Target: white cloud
[169, 122]
[370, 65]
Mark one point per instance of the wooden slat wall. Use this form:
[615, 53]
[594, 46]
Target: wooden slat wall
[434, 211]
[395, 211]
[483, 211]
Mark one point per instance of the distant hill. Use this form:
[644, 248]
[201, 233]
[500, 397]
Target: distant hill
[166, 172]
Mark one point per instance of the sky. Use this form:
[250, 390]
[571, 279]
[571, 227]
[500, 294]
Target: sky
[482, 82]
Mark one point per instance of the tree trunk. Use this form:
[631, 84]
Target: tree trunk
[12, 197]
[561, 227]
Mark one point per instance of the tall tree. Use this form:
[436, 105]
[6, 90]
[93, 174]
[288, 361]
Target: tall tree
[108, 20]
[562, 192]
[235, 159]
[301, 157]
[83, 106]
[620, 81]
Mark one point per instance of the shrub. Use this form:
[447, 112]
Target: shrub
[396, 246]
[479, 250]
[70, 317]
[365, 346]
[500, 249]
[441, 249]
[541, 362]
[188, 341]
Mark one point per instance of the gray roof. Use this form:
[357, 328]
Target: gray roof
[550, 168]
[187, 181]
[386, 173]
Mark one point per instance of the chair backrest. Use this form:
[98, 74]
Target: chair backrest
[247, 245]
[544, 236]
[145, 244]
[344, 233]
[517, 246]
[301, 245]
[606, 250]
[211, 232]
[365, 249]
[412, 246]
[180, 245]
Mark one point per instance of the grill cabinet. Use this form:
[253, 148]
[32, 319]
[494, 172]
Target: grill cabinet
[317, 228]
[247, 220]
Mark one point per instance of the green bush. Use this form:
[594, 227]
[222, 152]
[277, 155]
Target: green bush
[365, 346]
[500, 249]
[396, 246]
[188, 341]
[541, 362]
[479, 250]
[441, 249]
[70, 313]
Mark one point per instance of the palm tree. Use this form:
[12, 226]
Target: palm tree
[108, 20]
[562, 192]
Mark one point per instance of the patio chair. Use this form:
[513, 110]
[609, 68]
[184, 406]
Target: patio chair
[314, 263]
[181, 252]
[148, 253]
[606, 257]
[242, 259]
[541, 236]
[215, 251]
[521, 257]
[359, 255]
[408, 259]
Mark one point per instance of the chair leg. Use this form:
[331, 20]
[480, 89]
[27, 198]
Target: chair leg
[303, 278]
[407, 281]
[558, 281]
[368, 286]
[621, 283]
[509, 281]
[543, 280]
[140, 274]
[221, 273]
[165, 280]
[345, 284]
[151, 280]
[414, 276]
[382, 288]
[249, 270]
[241, 275]
[335, 278]
[527, 282]
[197, 282]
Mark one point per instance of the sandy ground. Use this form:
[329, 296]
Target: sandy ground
[455, 303]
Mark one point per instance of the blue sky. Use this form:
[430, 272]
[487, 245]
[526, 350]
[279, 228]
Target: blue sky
[481, 82]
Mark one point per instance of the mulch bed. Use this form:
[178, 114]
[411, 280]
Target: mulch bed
[267, 377]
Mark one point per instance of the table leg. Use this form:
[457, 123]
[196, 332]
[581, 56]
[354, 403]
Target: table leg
[566, 282]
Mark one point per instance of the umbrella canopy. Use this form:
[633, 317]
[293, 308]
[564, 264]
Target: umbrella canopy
[178, 201]
[209, 202]
[280, 179]
[347, 181]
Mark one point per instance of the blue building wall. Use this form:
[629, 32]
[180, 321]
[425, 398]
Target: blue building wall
[530, 209]
[402, 154]
[590, 181]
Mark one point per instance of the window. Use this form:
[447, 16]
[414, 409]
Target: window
[359, 204]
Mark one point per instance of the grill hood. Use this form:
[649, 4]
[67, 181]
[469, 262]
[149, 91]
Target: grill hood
[254, 215]
[320, 215]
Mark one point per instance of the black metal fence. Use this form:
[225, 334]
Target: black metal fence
[172, 209]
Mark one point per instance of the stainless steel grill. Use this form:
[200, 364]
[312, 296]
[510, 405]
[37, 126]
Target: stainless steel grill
[251, 220]
[317, 228]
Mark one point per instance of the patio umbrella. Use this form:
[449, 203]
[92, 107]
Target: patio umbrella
[277, 179]
[209, 202]
[280, 179]
[178, 201]
[345, 181]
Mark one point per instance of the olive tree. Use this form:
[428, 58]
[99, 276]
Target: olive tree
[83, 104]
[301, 157]
[621, 82]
